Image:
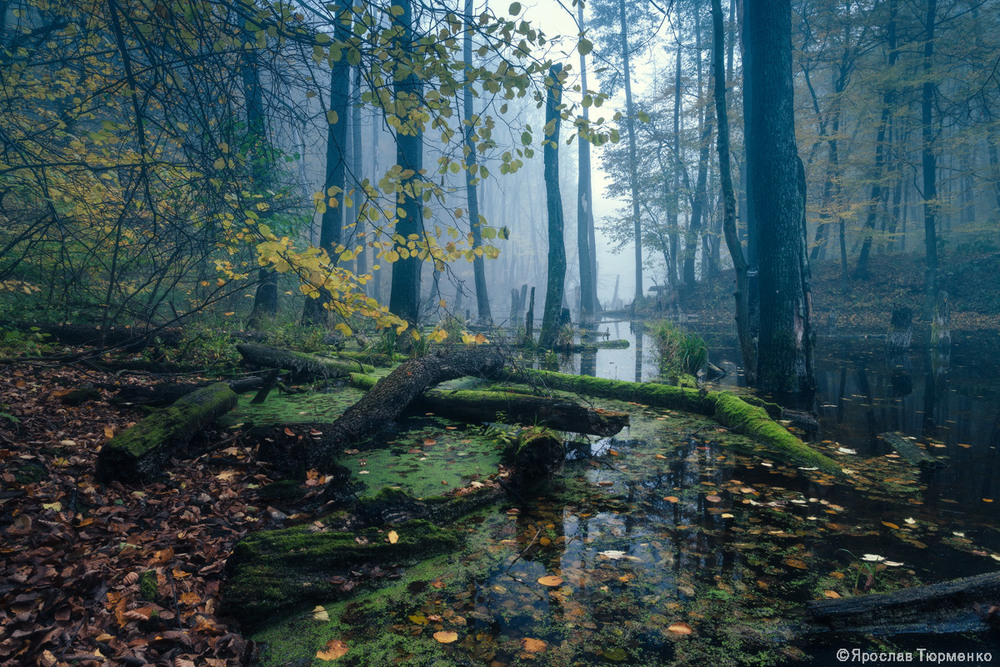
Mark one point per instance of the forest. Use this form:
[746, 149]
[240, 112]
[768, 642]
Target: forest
[427, 332]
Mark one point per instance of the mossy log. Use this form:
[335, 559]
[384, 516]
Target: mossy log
[273, 570]
[484, 406]
[138, 453]
[304, 367]
[728, 409]
[909, 450]
[949, 606]
[393, 393]
[167, 393]
[618, 344]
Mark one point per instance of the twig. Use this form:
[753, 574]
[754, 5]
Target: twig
[530, 544]
[173, 594]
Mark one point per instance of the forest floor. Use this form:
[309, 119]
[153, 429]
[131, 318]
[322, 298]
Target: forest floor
[865, 308]
[92, 572]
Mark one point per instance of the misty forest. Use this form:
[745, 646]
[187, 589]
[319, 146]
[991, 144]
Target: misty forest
[458, 332]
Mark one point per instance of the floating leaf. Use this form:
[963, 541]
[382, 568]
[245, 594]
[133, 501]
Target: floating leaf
[393, 537]
[419, 619]
[796, 563]
[680, 628]
[334, 649]
[319, 613]
[533, 645]
[446, 636]
[672, 499]
[551, 580]
[872, 558]
[713, 498]
[888, 524]
[613, 554]
[831, 594]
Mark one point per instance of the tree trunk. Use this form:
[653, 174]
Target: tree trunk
[747, 346]
[404, 299]
[555, 285]
[776, 201]
[393, 393]
[139, 453]
[881, 148]
[929, 162]
[584, 207]
[357, 177]
[334, 185]
[632, 167]
[699, 201]
[265, 303]
[472, 176]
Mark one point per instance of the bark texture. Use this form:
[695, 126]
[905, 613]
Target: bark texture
[776, 200]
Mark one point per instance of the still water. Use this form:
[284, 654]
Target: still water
[664, 546]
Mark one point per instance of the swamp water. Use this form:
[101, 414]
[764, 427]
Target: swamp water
[666, 546]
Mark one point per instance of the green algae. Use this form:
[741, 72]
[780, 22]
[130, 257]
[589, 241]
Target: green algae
[430, 460]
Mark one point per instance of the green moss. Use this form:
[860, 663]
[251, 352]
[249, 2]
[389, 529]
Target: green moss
[283, 409]
[149, 588]
[274, 569]
[753, 421]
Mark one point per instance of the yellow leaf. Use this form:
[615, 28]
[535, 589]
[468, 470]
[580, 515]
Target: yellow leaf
[56, 506]
[446, 636]
[334, 649]
[332, 117]
[109, 431]
[551, 580]
[229, 314]
[393, 537]
[831, 594]
[320, 614]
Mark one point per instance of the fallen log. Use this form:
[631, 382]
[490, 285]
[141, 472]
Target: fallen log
[393, 393]
[88, 334]
[138, 453]
[909, 450]
[618, 344]
[167, 393]
[304, 367]
[959, 605]
[483, 406]
[726, 408]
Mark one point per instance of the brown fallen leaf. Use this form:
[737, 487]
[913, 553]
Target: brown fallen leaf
[797, 563]
[672, 499]
[831, 594]
[550, 580]
[533, 645]
[680, 628]
[446, 636]
[334, 649]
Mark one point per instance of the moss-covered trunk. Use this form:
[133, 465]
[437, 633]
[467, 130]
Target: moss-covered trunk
[486, 406]
[393, 393]
[728, 409]
[304, 366]
[138, 453]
